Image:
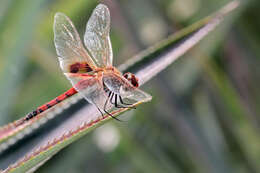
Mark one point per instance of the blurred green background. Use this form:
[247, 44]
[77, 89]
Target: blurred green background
[205, 112]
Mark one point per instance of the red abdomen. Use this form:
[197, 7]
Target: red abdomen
[51, 103]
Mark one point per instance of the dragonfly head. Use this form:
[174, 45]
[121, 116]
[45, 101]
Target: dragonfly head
[132, 79]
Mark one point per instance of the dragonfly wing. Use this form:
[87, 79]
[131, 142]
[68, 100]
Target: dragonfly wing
[90, 87]
[97, 38]
[69, 46]
[137, 96]
[125, 89]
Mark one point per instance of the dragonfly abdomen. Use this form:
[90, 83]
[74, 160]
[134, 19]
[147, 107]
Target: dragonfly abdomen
[50, 104]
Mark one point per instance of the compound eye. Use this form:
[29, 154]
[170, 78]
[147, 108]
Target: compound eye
[127, 75]
[131, 78]
[134, 81]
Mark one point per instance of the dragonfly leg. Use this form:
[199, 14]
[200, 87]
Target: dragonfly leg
[114, 97]
[111, 99]
[108, 98]
[122, 103]
[116, 103]
[105, 105]
[100, 112]
[112, 116]
[108, 114]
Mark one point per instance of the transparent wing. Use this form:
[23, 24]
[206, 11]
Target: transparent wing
[122, 87]
[137, 96]
[96, 37]
[68, 44]
[90, 87]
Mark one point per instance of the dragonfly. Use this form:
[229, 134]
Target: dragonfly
[89, 68]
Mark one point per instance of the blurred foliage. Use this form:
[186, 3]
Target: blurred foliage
[204, 116]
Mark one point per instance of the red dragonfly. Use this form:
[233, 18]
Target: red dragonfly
[90, 71]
